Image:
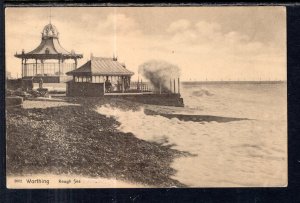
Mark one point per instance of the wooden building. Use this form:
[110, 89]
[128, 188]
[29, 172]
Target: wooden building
[99, 76]
[49, 60]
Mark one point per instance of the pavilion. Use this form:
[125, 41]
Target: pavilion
[99, 76]
[34, 65]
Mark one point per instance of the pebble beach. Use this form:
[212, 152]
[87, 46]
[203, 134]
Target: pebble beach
[68, 137]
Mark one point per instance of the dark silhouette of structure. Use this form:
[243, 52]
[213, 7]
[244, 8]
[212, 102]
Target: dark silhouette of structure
[50, 50]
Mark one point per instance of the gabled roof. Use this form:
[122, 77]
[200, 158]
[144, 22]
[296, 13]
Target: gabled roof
[102, 66]
[85, 68]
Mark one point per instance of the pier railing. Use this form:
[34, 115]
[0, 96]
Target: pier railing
[141, 87]
[146, 87]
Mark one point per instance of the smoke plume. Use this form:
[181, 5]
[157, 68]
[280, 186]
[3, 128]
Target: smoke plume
[159, 73]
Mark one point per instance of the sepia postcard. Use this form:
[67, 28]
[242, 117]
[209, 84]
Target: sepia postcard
[146, 97]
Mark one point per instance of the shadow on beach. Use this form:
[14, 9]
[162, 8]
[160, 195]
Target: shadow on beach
[195, 118]
[77, 140]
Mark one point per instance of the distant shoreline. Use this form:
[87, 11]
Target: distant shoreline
[233, 82]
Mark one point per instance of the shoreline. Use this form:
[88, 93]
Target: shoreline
[70, 137]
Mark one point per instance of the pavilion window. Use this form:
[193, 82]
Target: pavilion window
[88, 79]
[94, 79]
[101, 79]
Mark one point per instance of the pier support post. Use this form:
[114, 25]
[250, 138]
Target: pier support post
[25, 67]
[178, 86]
[159, 87]
[174, 87]
[22, 69]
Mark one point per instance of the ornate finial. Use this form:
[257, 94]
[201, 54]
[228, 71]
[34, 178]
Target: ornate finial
[50, 31]
[115, 58]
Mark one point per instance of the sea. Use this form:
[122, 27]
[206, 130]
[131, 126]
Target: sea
[250, 152]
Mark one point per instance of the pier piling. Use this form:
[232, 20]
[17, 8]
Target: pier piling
[159, 87]
[174, 87]
[178, 86]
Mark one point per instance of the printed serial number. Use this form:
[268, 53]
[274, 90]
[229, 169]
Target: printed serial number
[18, 180]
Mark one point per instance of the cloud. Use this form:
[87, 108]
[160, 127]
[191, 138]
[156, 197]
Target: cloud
[199, 47]
[207, 50]
[179, 25]
[207, 29]
[209, 37]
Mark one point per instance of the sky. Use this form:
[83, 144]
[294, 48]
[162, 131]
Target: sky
[213, 43]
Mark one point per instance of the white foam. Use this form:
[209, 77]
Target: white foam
[239, 153]
[227, 153]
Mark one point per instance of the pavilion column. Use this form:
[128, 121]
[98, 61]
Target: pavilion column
[59, 67]
[25, 67]
[36, 69]
[33, 69]
[42, 64]
[104, 88]
[62, 66]
[123, 84]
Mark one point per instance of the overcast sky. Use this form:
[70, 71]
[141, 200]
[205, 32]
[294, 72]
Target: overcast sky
[217, 43]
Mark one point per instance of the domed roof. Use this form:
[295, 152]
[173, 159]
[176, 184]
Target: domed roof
[50, 31]
[49, 47]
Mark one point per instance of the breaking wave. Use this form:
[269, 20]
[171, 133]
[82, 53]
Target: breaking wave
[202, 92]
[216, 146]
[227, 153]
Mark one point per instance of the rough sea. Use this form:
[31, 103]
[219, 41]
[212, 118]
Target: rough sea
[241, 153]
